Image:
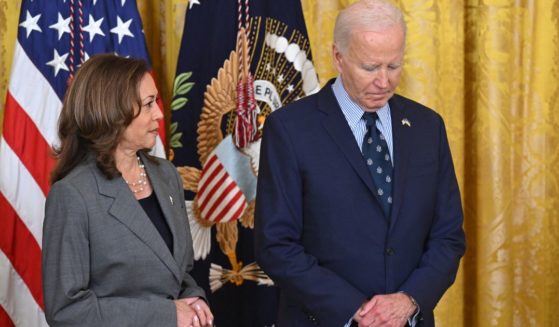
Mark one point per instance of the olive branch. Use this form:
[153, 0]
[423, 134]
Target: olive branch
[180, 88]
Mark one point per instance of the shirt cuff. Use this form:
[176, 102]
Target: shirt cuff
[412, 320]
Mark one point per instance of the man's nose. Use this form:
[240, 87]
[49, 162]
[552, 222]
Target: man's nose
[381, 79]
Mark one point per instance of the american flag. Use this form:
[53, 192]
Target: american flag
[226, 184]
[54, 38]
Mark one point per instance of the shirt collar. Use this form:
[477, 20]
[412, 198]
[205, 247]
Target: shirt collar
[351, 110]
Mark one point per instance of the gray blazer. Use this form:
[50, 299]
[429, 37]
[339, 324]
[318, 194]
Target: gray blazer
[104, 262]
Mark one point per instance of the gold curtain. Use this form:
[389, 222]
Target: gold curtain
[9, 15]
[490, 68]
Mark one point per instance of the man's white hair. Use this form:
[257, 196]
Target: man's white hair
[366, 15]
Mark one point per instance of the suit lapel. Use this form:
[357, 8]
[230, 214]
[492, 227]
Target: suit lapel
[336, 126]
[130, 213]
[168, 202]
[401, 135]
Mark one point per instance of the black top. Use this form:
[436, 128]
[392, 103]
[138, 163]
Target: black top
[153, 210]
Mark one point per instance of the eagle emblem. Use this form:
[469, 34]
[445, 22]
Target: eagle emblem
[225, 186]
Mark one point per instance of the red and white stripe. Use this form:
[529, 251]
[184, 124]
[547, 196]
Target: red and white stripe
[30, 119]
[30, 129]
[219, 198]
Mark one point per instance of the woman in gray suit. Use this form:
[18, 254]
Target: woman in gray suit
[116, 242]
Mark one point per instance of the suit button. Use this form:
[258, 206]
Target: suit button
[389, 251]
[312, 319]
[170, 297]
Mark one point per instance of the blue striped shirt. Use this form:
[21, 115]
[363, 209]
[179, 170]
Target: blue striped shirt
[354, 114]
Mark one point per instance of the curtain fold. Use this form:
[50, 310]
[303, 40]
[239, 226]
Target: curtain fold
[490, 68]
[511, 95]
[9, 14]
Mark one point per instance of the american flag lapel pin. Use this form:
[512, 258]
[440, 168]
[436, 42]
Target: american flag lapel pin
[406, 122]
[171, 199]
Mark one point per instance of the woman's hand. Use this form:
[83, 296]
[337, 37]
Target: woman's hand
[203, 312]
[186, 316]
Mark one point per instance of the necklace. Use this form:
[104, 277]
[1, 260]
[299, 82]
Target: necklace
[138, 186]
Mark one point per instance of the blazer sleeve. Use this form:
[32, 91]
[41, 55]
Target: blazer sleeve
[279, 225]
[446, 243]
[66, 278]
[189, 287]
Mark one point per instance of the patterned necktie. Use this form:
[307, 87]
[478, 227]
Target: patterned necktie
[377, 156]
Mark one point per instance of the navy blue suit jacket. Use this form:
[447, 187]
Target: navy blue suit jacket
[320, 232]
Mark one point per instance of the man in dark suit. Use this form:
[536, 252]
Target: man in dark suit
[358, 213]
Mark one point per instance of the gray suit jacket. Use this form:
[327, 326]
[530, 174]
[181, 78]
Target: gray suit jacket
[104, 262]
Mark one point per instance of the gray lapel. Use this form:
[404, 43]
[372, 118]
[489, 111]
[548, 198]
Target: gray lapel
[129, 212]
[168, 200]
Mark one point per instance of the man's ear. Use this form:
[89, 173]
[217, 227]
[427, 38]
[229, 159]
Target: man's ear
[337, 57]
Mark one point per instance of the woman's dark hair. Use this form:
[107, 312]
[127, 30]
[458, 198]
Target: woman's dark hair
[101, 101]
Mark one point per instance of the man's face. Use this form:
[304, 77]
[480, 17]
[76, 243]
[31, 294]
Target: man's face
[371, 65]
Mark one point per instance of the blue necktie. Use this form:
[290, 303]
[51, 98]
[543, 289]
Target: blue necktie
[375, 151]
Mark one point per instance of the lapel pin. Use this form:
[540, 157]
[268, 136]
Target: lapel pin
[406, 122]
[171, 199]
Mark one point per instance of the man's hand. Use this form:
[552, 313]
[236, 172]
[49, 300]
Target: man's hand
[387, 310]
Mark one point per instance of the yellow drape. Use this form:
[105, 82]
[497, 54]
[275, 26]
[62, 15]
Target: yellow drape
[9, 15]
[490, 68]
